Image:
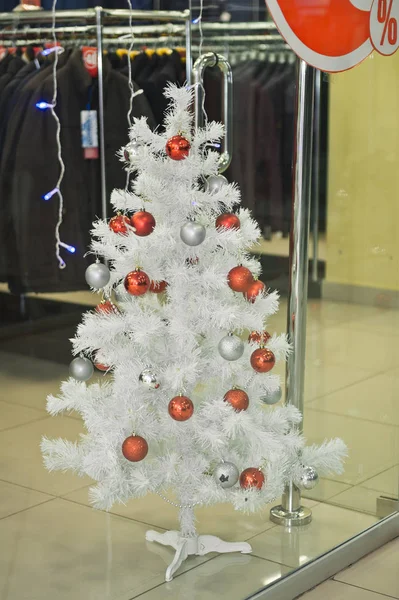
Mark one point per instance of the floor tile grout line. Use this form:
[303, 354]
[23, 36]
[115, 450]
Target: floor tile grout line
[26, 487]
[19, 405]
[200, 565]
[43, 418]
[275, 562]
[377, 475]
[18, 512]
[145, 522]
[176, 576]
[363, 588]
[328, 412]
[111, 513]
[340, 389]
[336, 414]
[43, 410]
[330, 502]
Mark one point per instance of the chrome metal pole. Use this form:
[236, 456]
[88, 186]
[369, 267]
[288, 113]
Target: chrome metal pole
[211, 60]
[316, 175]
[99, 32]
[255, 10]
[189, 56]
[291, 512]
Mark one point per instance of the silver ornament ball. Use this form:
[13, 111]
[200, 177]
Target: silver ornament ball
[226, 474]
[309, 478]
[272, 397]
[214, 183]
[81, 368]
[131, 150]
[192, 233]
[97, 275]
[231, 347]
[149, 379]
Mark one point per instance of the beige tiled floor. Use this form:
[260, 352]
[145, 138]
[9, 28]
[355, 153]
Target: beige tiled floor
[58, 548]
[375, 577]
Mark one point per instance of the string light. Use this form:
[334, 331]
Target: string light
[129, 65]
[44, 105]
[130, 81]
[200, 28]
[48, 51]
[70, 249]
[198, 21]
[50, 194]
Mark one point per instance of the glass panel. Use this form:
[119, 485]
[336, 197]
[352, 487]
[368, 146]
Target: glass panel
[352, 363]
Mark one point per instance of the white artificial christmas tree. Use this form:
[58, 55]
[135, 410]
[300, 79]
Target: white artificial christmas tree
[186, 402]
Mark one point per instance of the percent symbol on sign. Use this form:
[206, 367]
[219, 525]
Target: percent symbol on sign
[390, 23]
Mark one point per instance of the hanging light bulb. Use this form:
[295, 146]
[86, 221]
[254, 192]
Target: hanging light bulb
[42, 105]
[48, 51]
[50, 194]
[70, 249]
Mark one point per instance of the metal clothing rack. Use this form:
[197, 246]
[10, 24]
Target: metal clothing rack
[99, 18]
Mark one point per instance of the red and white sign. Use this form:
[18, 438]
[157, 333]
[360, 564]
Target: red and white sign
[90, 60]
[336, 35]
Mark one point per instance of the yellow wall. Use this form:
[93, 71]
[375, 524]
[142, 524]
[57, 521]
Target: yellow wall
[363, 183]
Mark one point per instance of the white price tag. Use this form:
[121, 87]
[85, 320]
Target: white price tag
[89, 130]
[88, 122]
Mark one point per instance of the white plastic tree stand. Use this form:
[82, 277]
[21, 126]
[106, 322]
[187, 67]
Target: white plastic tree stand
[198, 545]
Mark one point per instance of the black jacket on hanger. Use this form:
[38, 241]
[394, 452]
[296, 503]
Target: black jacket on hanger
[168, 69]
[33, 263]
[15, 113]
[15, 64]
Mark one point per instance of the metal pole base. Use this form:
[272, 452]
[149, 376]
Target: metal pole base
[290, 512]
[298, 518]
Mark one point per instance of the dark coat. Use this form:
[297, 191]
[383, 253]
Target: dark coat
[36, 172]
[13, 67]
[11, 125]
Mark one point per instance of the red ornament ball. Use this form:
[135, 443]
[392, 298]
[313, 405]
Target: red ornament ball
[262, 360]
[106, 307]
[253, 290]
[240, 279]
[238, 399]
[228, 221]
[137, 283]
[143, 223]
[119, 223]
[134, 448]
[252, 478]
[177, 147]
[101, 367]
[259, 337]
[158, 286]
[180, 408]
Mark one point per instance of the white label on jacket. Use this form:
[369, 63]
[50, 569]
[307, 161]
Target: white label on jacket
[88, 122]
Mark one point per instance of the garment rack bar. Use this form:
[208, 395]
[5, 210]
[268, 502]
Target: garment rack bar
[252, 26]
[244, 38]
[167, 29]
[65, 16]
